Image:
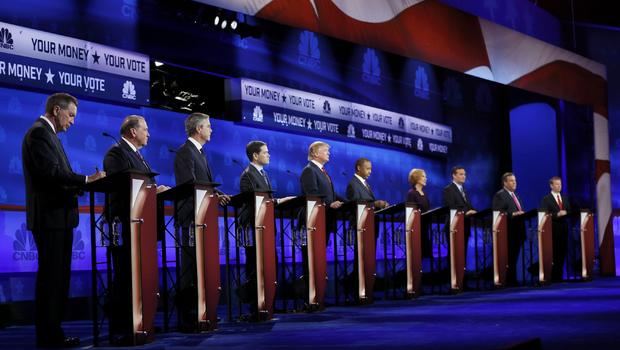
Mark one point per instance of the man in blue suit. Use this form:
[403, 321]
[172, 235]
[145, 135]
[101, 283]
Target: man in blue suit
[508, 201]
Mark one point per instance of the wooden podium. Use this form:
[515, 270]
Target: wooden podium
[261, 206]
[587, 243]
[137, 198]
[366, 250]
[545, 247]
[413, 244]
[317, 259]
[500, 248]
[360, 234]
[457, 250]
[205, 246]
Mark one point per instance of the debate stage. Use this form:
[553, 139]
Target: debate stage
[561, 316]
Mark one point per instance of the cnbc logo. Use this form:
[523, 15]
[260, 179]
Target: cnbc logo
[78, 252]
[24, 248]
[308, 49]
[6, 39]
[257, 114]
[371, 70]
[129, 90]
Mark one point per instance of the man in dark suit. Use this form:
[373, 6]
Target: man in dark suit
[52, 189]
[124, 155]
[558, 205]
[190, 164]
[315, 181]
[455, 198]
[506, 200]
[314, 177]
[253, 179]
[359, 189]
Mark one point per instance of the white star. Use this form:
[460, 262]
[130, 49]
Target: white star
[50, 76]
[309, 124]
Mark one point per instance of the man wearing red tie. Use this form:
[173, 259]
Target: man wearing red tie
[557, 205]
[508, 201]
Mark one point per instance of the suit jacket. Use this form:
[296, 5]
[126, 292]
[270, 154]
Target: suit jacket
[502, 201]
[453, 199]
[119, 158]
[251, 180]
[51, 185]
[190, 165]
[357, 191]
[315, 182]
[549, 204]
[421, 201]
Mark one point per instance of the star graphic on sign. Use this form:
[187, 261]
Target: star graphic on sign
[50, 76]
[309, 124]
[96, 58]
[284, 98]
[390, 138]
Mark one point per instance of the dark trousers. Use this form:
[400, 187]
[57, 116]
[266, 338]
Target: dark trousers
[560, 238]
[119, 308]
[52, 285]
[516, 238]
[186, 297]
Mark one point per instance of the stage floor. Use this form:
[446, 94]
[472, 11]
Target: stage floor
[562, 316]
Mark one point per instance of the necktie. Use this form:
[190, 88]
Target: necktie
[462, 190]
[514, 198]
[143, 161]
[264, 174]
[560, 202]
[327, 175]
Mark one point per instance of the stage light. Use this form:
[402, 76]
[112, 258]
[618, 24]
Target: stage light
[158, 64]
[233, 25]
[224, 23]
[216, 21]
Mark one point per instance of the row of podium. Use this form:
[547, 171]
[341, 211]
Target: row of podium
[145, 219]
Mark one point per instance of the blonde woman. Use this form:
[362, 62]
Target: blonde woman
[416, 195]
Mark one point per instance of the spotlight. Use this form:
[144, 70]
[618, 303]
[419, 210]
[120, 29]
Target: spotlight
[216, 21]
[233, 24]
[158, 64]
[224, 24]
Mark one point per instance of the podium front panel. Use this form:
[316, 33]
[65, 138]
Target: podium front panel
[500, 248]
[413, 241]
[366, 256]
[144, 281]
[265, 253]
[317, 259]
[207, 256]
[545, 247]
[587, 244]
[457, 249]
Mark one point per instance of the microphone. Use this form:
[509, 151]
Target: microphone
[238, 163]
[291, 173]
[172, 150]
[110, 136]
[344, 173]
